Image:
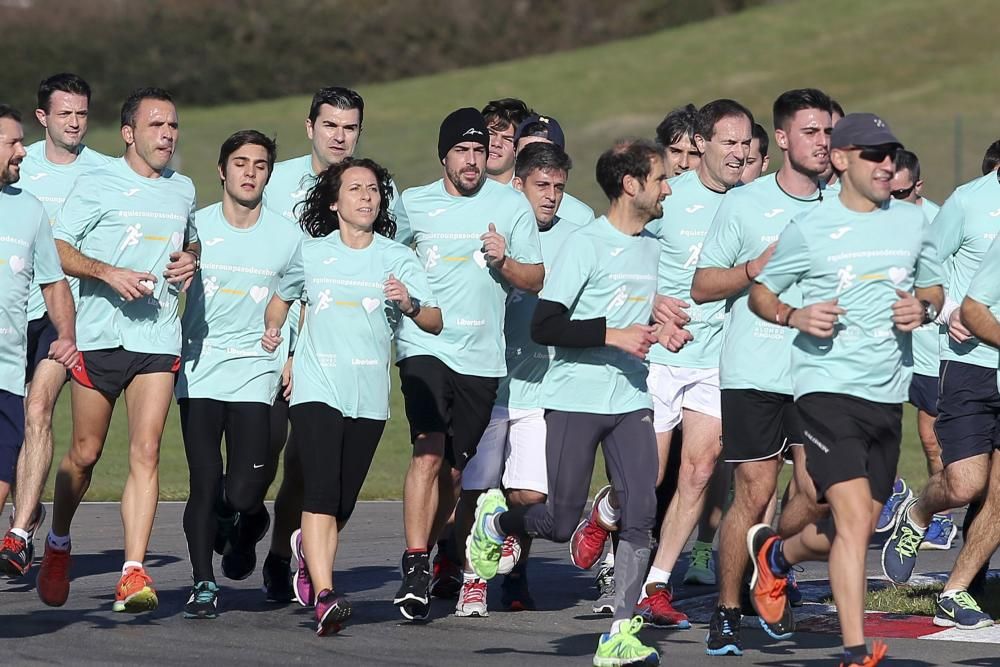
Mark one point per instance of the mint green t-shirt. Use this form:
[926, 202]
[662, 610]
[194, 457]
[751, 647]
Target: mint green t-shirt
[861, 259]
[963, 230]
[927, 338]
[601, 272]
[344, 349]
[27, 256]
[116, 216]
[223, 317]
[756, 354]
[444, 230]
[985, 285]
[573, 210]
[50, 183]
[687, 215]
[527, 361]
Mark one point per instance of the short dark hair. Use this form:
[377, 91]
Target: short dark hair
[7, 111]
[315, 215]
[836, 108]
[628, 157]
[908, 160]
[63, 82]
[991, 160]
[541, 155]
[678, 123]
[248, 137]
[135, 98]
[791, 101]
[505, 112]
[710, 114]
[760, 134]
[339, 98]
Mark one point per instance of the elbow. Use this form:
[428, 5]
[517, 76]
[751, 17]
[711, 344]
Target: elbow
[699, 295]
[540, 332]
[754, 301]
[436, 323]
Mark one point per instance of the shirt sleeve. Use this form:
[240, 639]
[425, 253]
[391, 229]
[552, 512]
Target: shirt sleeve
[567, 274]
[192, 228]
[45, 260]
[789, 263]
[79, 214]
[292, 282]
[724, 240]
[404, 234]
[985, 285]
[947, 228]
[409, 272]
[523, 244]
[930, 270]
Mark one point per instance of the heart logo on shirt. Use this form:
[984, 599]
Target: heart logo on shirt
[258, 294]
[16, 264]
[176, 239]
[479, 258]
[898, 274]
[370, 304]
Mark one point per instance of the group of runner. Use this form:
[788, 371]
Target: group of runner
[743, 319]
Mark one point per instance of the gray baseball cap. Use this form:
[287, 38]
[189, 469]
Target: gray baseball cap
[862, 129]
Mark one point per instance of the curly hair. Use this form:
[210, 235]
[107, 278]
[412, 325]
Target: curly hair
[314, 212]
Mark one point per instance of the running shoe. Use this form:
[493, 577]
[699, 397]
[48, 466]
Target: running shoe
[624, 648]
[657, 609]
[446, 580]
[203, 602]
[412, 598]
[723, 636]
[482, 551]
[605, 602]
[277, 573]
[331, 611]
[899, 553]
[940, 533]
[701, 566]
[301, 581]
[225, 530]
[901, 494]
[510, 553]
[586, 546]
[792, 590]
[53, 576]
[240, 559]
[135, 593]
[472, 599]
[960, 610]
[514, 593]
[879, 649]
[767, 589]
[15, 555]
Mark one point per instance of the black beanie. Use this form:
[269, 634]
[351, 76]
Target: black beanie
[464, 124]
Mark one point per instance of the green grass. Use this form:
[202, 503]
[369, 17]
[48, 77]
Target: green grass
[920, 600]
[917, 63]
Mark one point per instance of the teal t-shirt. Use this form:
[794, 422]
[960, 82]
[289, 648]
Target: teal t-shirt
[687, 215]
[27, 256]
[861, 259]
[601, 272]
[223, 317]
[573, 210]
[756, 354]
[985, 285]
[527, 361]
[927, 338]
[116, 216]
[963, 230]
[50, 183]
[343, 354]
[444, 230]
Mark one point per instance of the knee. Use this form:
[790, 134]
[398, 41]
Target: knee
[560, 529]
[426, 465]
[696, 473]
[145, 454]
[963, 489]
[84, 454]
[243, 497]
[37, 415]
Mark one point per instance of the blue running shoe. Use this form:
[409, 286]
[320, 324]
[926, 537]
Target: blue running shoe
[960, 610]
[899, 553]
[940, 533]
[901, 494]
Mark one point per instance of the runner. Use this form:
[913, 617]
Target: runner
[676, 134]
[226, 384]
[502, 118]
[345, 272]
[127, 231]
[595, 310]
[758, 161]
[512, 450]
[991, 159]
[830, 177]
[856, 262]
[476, 239]
[48, 172]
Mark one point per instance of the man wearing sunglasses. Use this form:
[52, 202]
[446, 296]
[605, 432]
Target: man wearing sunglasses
[869, 278]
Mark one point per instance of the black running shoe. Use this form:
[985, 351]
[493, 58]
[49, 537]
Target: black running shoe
[514, 593]
[724, 633]
[277, 573]
[225, 531]
[16, 555]
[413, 596]
[240, 558]
[204, 601]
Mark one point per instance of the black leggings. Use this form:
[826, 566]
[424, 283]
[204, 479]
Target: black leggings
[336, 453]
[248, 472]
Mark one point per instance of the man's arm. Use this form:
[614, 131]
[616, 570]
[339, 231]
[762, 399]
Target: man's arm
[818, 319]
[980, 321]
[528, 277]
[714, 283]
[62, 313]
[129, 284]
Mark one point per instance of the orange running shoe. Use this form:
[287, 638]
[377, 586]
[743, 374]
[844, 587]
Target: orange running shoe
[53, 576]
[879, 649]
[767, 590]
[135, 593]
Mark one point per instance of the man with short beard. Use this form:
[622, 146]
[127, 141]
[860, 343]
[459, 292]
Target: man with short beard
[476, 239]
[502, 119]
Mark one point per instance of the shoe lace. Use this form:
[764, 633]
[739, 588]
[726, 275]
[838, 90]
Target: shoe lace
[474, 592]
[966, 601]
[12, 543]
[204, 595]
[606, 581]
[507, 550]
[908, 543]
[778, 588]
[594, 535]
[701, 558]
[631, 627]
[135, 578]
[879, 650]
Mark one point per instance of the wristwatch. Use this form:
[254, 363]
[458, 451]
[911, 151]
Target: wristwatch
[415, 310]
[930, 311]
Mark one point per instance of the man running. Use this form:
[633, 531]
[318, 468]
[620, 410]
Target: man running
[127, 232]
[476, 239]
[48, 172]
[676, 134]
[856, 262]
[757, 161]
[991, 159]
[502, 119]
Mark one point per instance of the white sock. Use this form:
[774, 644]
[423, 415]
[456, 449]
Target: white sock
[23, 534]
[58, 542]
[952, 592]
[609, 515]
[130, 563]
[469, 576]
[616, 625]
[656, 576]
[609, 559]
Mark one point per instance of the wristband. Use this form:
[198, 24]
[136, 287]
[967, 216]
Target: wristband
[746, 269]
[413, 311]
[788, 318]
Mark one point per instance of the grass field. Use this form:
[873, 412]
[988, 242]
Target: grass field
[920, 64]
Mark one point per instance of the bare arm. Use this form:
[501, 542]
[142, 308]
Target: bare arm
[934, 294]
[429, 319]
[59, 304]
[715, 284]
[817, 319]
[528, 277]
[129, 284]
[274, 318]
[980, 321]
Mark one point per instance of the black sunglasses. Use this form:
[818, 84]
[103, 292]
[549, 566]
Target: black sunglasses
[878, 153]
[903, 193]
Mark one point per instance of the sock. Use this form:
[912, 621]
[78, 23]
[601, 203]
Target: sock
[609, 559]
[655, 576]
[776, 558]
[23, 534]
[616, 625]
[952, 592]
[469, 576]
[855, 655]
[130, 563]
[416, 552]
[609, 515]
[492, 528]
[61, 543]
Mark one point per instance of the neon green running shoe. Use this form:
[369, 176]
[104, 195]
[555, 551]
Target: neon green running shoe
[624, 648]
[482, 549]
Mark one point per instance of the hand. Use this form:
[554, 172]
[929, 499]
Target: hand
[670, 309]
[908, 312]
[494, 247]
[64, 351]
[129, 284]
[756, 266]
[286, 379]
[958, 332]
[271, 339]
[396, 291]
[181, 269]
[635, 339]
[673, 337]
[819, 319]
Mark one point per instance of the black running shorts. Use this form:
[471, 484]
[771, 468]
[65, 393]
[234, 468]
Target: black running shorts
[111, 371]
[756, 425]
